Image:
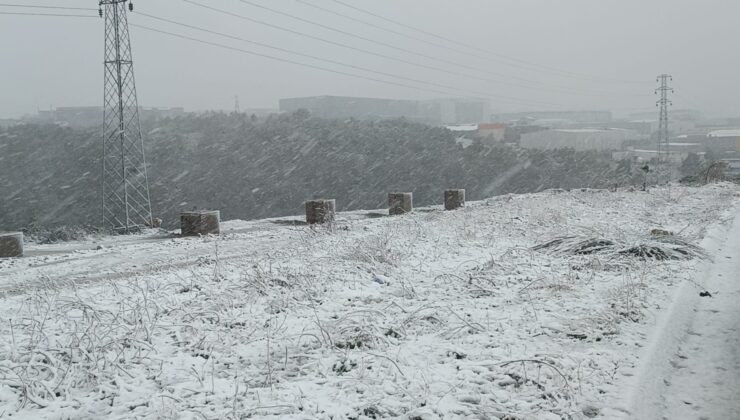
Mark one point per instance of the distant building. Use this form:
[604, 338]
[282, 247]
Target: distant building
[578, 139]
[733, 166]
[493, 131]
[646, 155]
[78, 116]
[651, 126]
[734, 121]
[673, 114]
[484, 131]
[687, 147]
[559, 117]
[92, 116]
[721, 143]
[459, 110]
[724, 140]
[435, 112]
[469, 129]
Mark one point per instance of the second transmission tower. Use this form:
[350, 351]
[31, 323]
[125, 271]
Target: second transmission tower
[663, 132]
[126, 203]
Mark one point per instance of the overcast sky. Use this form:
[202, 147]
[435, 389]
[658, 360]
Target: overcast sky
[569, 54]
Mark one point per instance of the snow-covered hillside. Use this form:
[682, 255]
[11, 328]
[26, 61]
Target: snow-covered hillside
[429, 315]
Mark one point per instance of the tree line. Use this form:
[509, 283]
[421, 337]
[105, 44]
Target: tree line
[253, 168]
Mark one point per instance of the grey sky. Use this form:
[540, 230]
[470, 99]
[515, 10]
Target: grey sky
[57, 61]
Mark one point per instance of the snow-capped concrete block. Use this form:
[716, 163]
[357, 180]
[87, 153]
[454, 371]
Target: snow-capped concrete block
[454, 199]
[400, 203]
[204, 222]
[11, 245]
[155, 223]
[320, 211]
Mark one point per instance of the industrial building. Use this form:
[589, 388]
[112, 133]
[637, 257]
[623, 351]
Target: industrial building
[434, 112]
[492, 131]
[579, 139]
[484, 131]
[559, 117]
[675, 155]
[720, 142]
[724, 141]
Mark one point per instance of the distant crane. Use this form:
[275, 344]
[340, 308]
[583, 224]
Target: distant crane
[126, 204]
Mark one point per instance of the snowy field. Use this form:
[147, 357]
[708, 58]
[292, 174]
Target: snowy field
[430, 315]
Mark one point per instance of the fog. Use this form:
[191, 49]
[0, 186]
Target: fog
[369, 209]
[54, 61]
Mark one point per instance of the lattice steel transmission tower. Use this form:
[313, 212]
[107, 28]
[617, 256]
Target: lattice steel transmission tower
[126, 203]
[663, 103]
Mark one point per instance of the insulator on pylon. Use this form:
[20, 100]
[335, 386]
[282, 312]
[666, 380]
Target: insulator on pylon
[130, 6]
[100, 12]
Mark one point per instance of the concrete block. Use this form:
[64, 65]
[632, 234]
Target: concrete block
[320, 211]
[11, 245]
[155, 223]
[194, 223]
[400, 203]
[454, 199]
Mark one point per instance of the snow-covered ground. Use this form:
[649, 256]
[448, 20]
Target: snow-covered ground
[706, 380]
[430, 315]
[694, 370]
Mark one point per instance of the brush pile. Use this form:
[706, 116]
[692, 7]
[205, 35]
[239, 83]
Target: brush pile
[654, 247]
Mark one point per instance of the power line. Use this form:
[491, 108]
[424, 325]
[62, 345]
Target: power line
[350, 34]
[335, 62]
[692, 99]
[28, 6]
[436, 44]
[327, 41]
[501, 97]
[539, 85]
[372, 25]
[452, 90]
[384, 44]
[47, 14]
[498, 55]
[284, 60]
[261, 44]
[416, 64]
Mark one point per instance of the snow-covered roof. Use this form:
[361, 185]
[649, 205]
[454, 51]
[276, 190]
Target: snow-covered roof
[466, 127]
[655, 152]
[725, 133]
[581, 130]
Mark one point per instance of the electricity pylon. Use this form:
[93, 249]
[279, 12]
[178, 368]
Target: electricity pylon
[663, 103]
[126, 203]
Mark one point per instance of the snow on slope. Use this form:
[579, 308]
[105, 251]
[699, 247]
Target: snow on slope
[430, 315]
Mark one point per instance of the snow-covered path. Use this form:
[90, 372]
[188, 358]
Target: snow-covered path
[705, 382]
